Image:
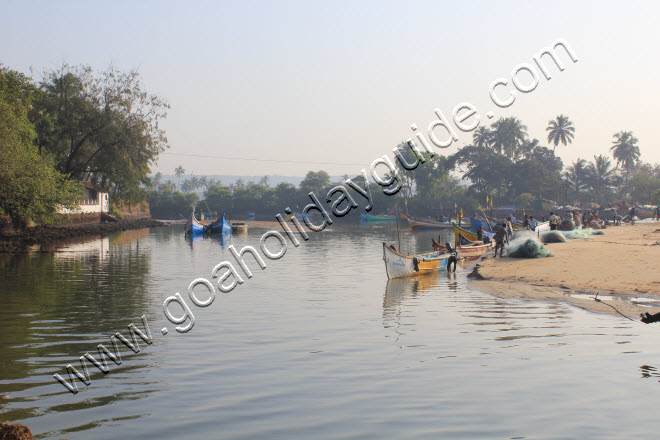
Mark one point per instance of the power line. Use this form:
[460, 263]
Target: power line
[262, 160]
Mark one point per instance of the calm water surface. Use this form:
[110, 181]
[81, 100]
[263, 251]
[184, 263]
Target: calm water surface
[318, 345]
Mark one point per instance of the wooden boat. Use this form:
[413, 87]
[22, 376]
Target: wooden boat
[194, 226]
[423, 223]
[472, 236]
[220, 226]
[239, 227]
[472, 249]
[377, 218]
[542, 227]
[398, 265]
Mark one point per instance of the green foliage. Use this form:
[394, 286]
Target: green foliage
[30, 187]
[655, 199]
[165, 202]
[116, 212]
[101, 127]
[525, 200]
[560, 130]
[642, 187]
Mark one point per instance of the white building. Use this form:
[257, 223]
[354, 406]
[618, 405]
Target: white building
[95, 201]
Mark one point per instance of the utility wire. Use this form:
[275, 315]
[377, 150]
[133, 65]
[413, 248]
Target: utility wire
[262, 160]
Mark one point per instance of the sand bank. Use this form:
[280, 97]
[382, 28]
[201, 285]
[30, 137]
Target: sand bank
[622, 267]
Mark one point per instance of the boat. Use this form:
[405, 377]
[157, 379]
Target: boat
[377, 218]
[220, 226]
[472, 236]
[422, 223]
[398, 265]
[250, 215]
[239, 227]
[194, 226]
[542, 227]
[645, 211]
[471, 249]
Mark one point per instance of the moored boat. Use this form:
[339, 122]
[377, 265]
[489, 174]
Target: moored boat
[422, 223]
[472, 249]
[398, 265]
[472, 236]
[194, 226]
[220, 226]
[377, 218]
[239, 227]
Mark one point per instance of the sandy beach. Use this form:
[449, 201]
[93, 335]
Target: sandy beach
[619, 266]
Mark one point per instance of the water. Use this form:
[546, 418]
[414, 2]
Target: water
[317, 345]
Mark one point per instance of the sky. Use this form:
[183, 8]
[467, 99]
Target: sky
[335, 85]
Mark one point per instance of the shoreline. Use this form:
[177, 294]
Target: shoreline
[616, 266]
[20, 241]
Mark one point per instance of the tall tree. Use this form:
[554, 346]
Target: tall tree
[600, 175]
[509, 135]
[482, 137]
[625, 151]
[103, 127]
[560, 129]
[179, 171]
[577, 175]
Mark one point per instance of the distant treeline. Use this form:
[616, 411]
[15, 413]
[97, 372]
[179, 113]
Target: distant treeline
[502, 166]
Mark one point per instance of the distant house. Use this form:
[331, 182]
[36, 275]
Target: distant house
[95, 201]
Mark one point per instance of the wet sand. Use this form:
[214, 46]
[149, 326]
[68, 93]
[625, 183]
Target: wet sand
[621, 267]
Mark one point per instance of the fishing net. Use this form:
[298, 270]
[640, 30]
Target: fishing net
[552, 237]
[566, 225]
[578, 233]
[525, 244]
[599, 232]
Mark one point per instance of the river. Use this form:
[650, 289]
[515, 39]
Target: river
[317, 345]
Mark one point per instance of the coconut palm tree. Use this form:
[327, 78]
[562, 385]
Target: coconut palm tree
[576, 174]
[561, 130]
[179, 171]
[482, 137]
[601, 176]
[509, 135]
[625, 151]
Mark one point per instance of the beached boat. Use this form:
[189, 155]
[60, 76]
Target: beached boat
[239, 227]
[194, 226]
[220, 226]
[542, 227]
[645, 211]
[472, 236]
[398, 265]
[472, 249]
[424, 223]
[377, 218]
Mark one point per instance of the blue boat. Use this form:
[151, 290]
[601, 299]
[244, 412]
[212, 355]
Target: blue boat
[194, 226]
[220, 226]
[250, 215]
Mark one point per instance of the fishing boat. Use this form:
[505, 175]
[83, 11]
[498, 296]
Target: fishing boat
[423, 223]
[377, 218]
[239, 227]
[542, 227]
[220, 226]
[472, 236]
[398, 265]
[194, 226]
[471, 249]
[645, 211]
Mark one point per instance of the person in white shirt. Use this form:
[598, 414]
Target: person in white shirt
[532, 223]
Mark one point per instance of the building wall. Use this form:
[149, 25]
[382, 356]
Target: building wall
[88, 206]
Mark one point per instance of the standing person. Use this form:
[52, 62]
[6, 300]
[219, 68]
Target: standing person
[500, 236]
[525, 222]
[533, 223]
[632, 215]
[509, 228]
[480, 233]
[553, 221]
[657, 213]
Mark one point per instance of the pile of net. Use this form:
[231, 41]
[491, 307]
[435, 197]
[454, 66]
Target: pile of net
[552, 237]
[578, 233]
[599, 232]
[525, 244]
[566, 225]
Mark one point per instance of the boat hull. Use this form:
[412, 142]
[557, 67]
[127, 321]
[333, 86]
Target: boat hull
[398, 265]
[377, 218]
[220, 226]
[195, 227]
[418, 223]
[473, 251]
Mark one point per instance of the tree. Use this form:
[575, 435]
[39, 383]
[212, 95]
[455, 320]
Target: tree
[101, 127]
[561, 130]
[316, 182]
[509, 134]
[525, 200]
[482, 137]
[625, 151]
[30, 186]
[179, 171]
[576, 175]
[600, 176]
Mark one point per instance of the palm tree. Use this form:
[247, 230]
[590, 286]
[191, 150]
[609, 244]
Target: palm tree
[625, 151]
[204, 182]
[482, 137]
[179, 171]
[194, 182]
[601, 176]
[561, 130]
[576, 175]
[509, 135]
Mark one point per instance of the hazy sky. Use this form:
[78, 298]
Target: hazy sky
[341, 82]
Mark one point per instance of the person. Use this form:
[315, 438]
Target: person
[657, 213]
[632, 215]
[509, 228]
[525, 222]
[533, 223]
[500, 237]
[554, 220]
[480, 233]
